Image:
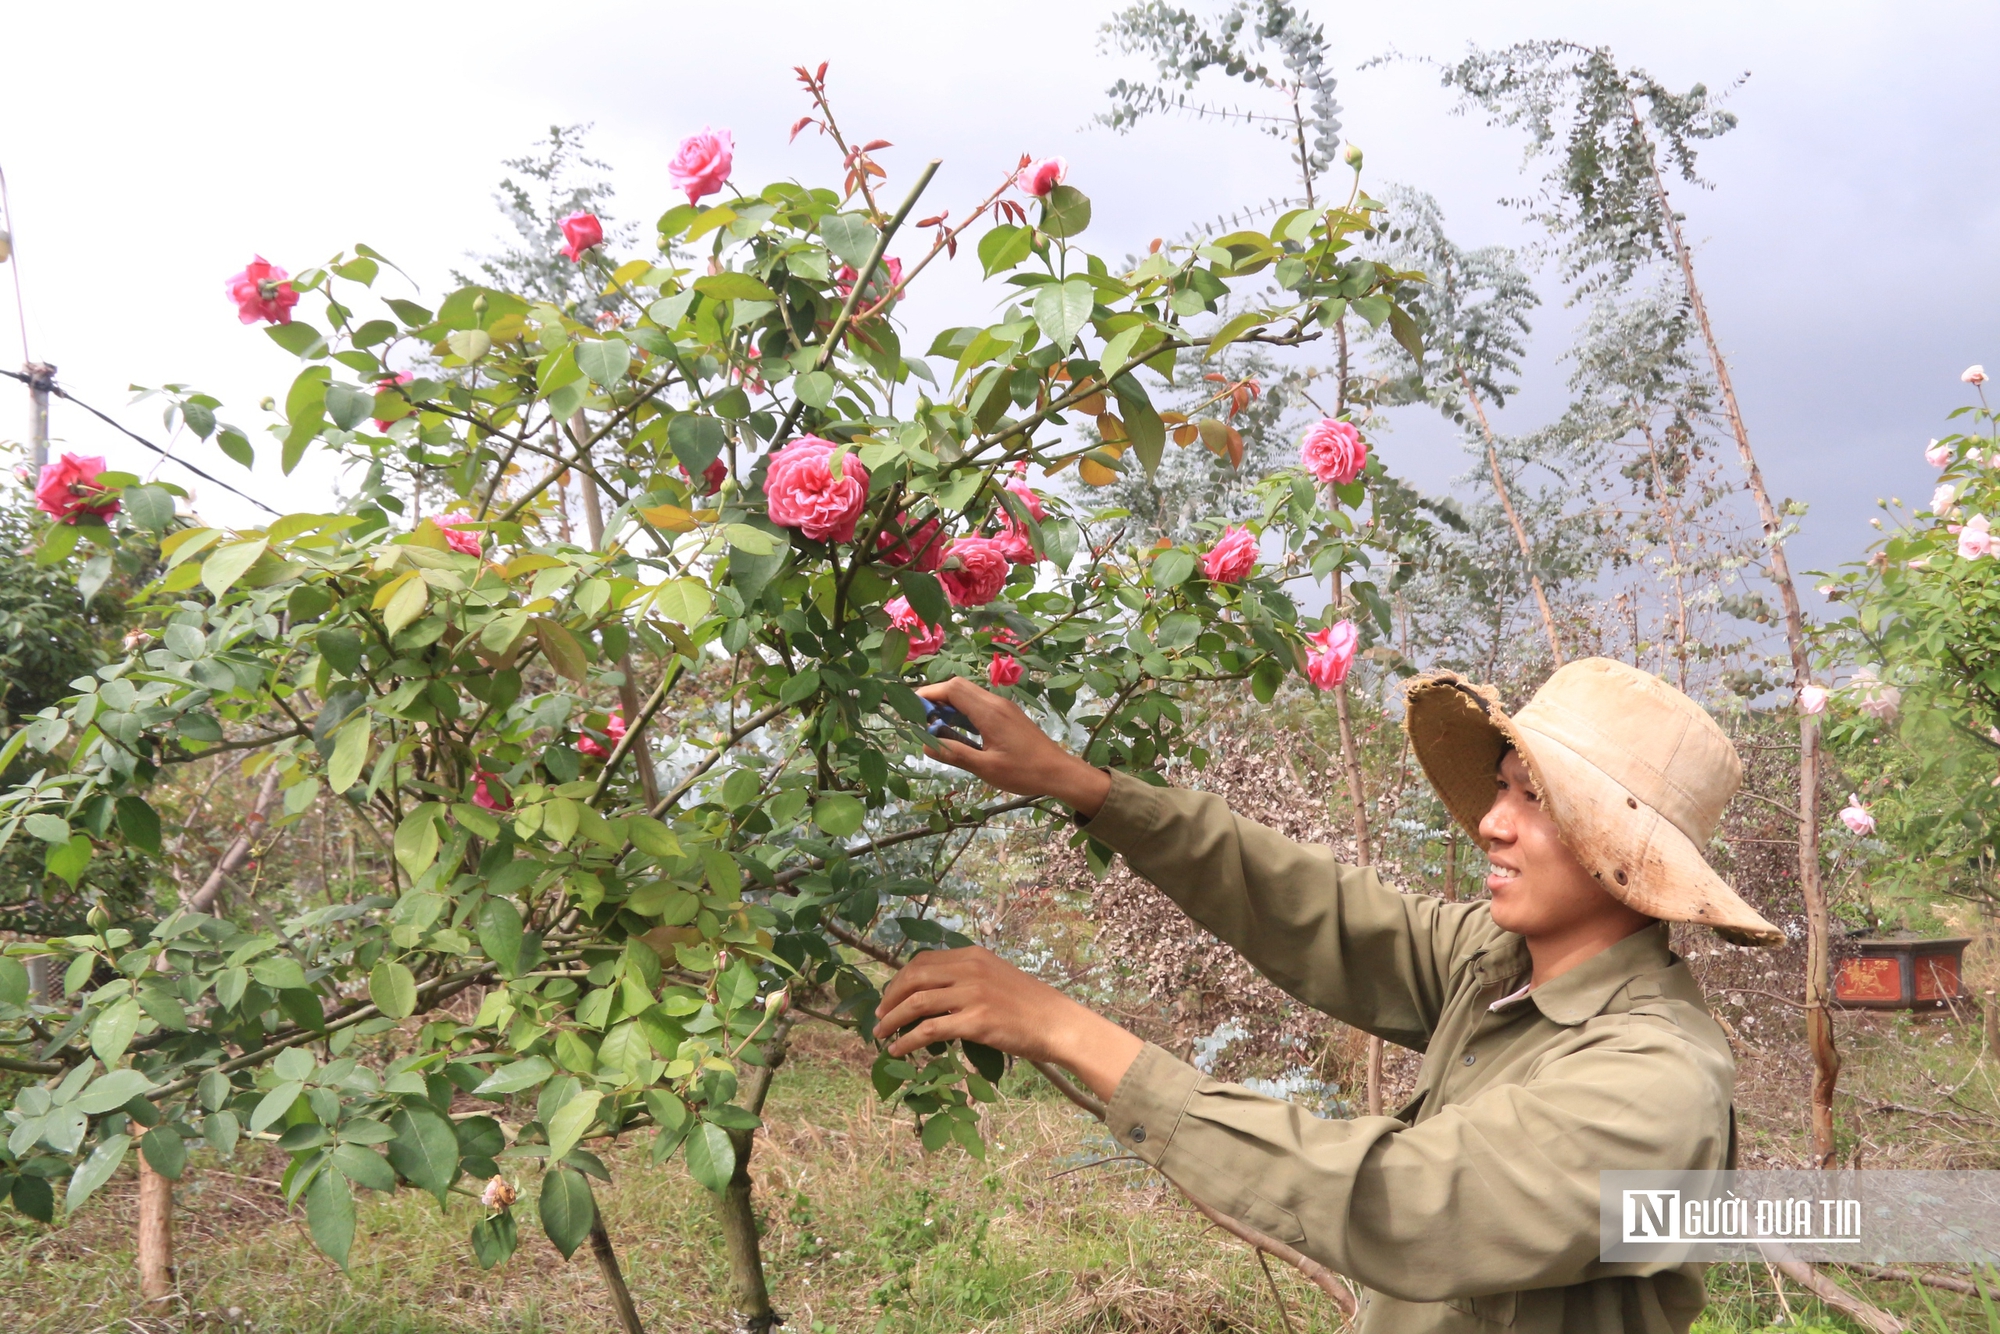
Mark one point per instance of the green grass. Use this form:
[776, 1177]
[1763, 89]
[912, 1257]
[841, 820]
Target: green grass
[863, 1233]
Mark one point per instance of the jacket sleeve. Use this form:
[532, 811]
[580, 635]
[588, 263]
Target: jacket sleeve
[1495, 1194]
[1333, 936]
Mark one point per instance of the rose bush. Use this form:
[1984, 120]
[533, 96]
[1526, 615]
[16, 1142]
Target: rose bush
[637, 889]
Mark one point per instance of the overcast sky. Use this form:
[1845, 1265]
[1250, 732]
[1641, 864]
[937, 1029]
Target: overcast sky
[1848, 249]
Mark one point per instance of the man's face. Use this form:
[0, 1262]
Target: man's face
[1538, 886]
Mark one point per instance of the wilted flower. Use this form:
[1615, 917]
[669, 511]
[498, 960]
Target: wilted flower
[483, 796]
[498, 1194]
[1856, 817]
[1874, 696]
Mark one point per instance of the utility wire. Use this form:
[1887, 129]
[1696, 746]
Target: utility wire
[64, 394]
[14, 245]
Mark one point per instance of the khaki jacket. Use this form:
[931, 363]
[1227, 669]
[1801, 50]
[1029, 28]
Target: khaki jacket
[1475, 1207]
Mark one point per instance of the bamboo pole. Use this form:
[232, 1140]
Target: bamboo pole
[1818, 996]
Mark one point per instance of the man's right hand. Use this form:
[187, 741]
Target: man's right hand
[1019, 757]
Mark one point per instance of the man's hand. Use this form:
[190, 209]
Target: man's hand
[1019, 757]
[973, 995]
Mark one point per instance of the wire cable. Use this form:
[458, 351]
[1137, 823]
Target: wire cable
[68, 397]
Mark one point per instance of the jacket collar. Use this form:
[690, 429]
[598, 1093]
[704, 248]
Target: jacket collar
[1587, 989]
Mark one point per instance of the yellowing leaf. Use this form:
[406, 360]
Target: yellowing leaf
[1095, 473]
[350, 752]
[1110, 427]
[559, 646]
[406, 604]
[227, 564]
[670, 517]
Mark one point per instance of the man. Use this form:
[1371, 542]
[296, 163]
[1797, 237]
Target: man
[1561, 1037]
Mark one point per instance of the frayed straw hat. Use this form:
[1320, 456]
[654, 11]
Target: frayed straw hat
[1634, 773]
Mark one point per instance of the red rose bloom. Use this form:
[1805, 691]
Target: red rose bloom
[974, 570]
[580, 232]
[68, 489]
[261, 293]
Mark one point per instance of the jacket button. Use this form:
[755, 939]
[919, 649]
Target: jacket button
[1470, 1058]
[1138, 1134]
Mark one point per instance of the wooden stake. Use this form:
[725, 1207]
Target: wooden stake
[156, 1230]
[1992, 1024]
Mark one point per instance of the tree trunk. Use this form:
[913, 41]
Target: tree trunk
[1667, 525]
[1513, 520]
[1819, 1015]
[156, 1231]
[751, 1294]
[237, 852]
[614, 1277]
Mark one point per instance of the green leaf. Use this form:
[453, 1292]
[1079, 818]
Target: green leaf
[69, 860]
[494, 1239]
[111, 1092]
[342, 648]
[1066, 211]
[1405, 331]
[364, 1167]
[417, 840]
[1004, 247]
[711, 1158]
[350, 750]
[566, 1127]
[839, 814]
[1142, 422]
[697, 441]
[851, 238]
[226, 564]
[273, 1106]
[279, 972]
[298, 338]
[651, 837]
[815, 388]
[236, 446]
[1234, 330]
[95, 1171]
[926, 595]
[567, 1209]
[684, 600]
[13, 982]
[393, 988]
[500, 932]
[731, 285]
[113, 1029]
[425, 1150]
[407, 603]
[1062, 309]
[139, 823]
[33, 1197]
[347, 406]
[330, 1215]
[49, 828]
[164, 1151]
[151, 507]
[514, 1078]
[1172, 567]
[605, 361]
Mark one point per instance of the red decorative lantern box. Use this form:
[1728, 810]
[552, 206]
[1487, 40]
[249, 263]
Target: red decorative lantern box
[1901, 973]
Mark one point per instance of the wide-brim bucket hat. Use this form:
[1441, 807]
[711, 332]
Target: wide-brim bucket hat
[1634, 773]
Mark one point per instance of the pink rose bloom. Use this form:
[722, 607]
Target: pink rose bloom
[1231, 558]
[1942, 497]
[887, 274]
[974, 570]
[387, 383]
[67, 488]
[1004, 670]
[1856, 817]
[924, 639]
[1332, 654]
[1812, 699]
[1973, 375]
[580, 232]
[614, 728]
[482, 796]
[919, 548]
[703, 163]
[261, 293]
[1937, 455]
[1014, 538]
[457, 537]
[1975, 539]
[1038, 178]
[1029, 500]
[805, 495]
[1333, 452]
